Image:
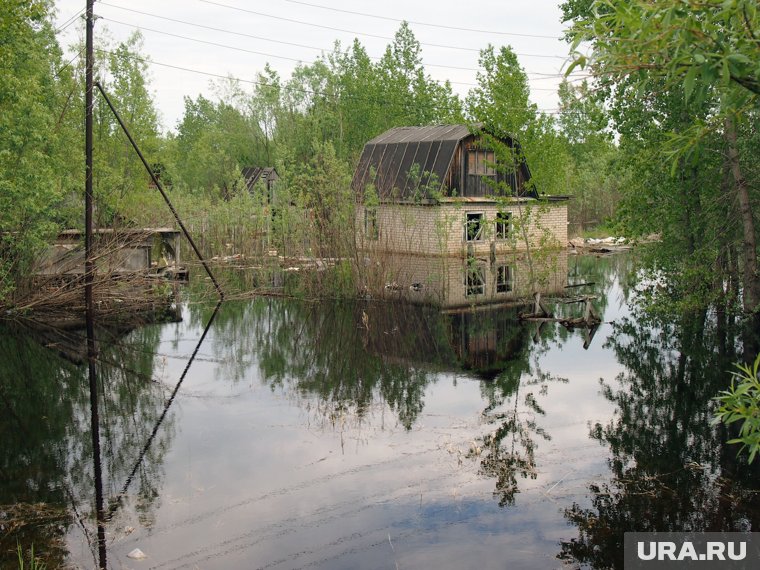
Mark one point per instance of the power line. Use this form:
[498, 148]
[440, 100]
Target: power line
[68, 22]
[197, 40]
[292, 20]
[442, 26]
[225, 31]
[271, 55]
[381, 102]
[222, 30]
[67, 64]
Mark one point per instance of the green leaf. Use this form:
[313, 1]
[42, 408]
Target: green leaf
[577, 39]
[688, 83]
[725, 72]
[581, 61]
[738, 58]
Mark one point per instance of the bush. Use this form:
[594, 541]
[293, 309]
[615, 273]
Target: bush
[741, 402]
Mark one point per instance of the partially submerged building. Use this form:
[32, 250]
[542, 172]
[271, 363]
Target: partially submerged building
[118, 252]
[464, 198]
[129, 288]
[444, 191]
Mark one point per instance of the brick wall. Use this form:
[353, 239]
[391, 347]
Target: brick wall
[440, 229]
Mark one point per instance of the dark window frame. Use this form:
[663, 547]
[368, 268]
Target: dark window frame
[474, 226]
[505, 279]
[503, 225]
[474, 280]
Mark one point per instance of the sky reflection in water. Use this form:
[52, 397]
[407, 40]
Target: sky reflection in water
[302, 438]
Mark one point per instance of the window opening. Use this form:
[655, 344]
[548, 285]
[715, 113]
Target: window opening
[473, 226]
[504, 279]
[474, 280]
[503, 225]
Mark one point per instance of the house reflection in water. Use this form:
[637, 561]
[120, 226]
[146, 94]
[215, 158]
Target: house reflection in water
[485, 341]
[452, 282]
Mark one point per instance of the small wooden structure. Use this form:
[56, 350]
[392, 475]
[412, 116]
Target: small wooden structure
[589, 322]
[265, 175]
[118, 252]
[541, 313]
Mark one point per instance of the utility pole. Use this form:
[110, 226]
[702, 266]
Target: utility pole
[89, 276]
[88, 273]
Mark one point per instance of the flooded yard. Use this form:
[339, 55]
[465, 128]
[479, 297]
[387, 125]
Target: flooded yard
[374, 435]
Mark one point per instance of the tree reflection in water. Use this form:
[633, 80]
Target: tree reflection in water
[45, 444]
[356, 357]
[508, 451]
[340, 363]
[671, 469]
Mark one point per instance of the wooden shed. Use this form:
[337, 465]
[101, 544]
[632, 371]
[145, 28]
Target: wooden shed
[261, 175]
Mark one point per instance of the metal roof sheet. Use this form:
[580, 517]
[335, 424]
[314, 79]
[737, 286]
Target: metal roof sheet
[419, 134]
[393, 154]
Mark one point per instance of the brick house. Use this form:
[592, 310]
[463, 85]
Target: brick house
[443, 192]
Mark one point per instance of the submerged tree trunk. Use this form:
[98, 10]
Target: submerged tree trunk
[751, 279]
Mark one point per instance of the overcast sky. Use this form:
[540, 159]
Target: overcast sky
[262, 32]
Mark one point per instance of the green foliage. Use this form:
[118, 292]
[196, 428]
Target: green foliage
[346, 99]
[211, 147]
[323, 187]
[117, 171]
[741, 402]
[37, 148]
[501, 100]
[342, 98]
[500, 106]
[696, 46]
[682, 94]
[594, 176]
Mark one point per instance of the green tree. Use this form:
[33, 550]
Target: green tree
[122, 71]
[706, 54]
[592, 177]
[501, 104]
[212, 145]
[38, 150]
[501, 101]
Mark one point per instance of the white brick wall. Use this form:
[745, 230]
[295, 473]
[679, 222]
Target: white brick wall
[439, 229]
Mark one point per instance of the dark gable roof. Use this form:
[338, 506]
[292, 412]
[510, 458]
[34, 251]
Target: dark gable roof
[252, 174]
[392, 155]
[420, 134]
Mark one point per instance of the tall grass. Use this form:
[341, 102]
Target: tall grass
[33, 563]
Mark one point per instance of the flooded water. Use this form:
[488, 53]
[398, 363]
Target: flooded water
[361, 435]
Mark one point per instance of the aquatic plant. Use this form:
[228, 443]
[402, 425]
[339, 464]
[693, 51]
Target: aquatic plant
[34, 563]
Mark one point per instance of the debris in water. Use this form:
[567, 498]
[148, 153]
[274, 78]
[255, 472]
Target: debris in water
[136, 554]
